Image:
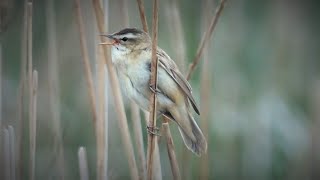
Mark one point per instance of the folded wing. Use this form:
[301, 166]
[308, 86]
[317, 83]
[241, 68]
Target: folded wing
[171, 68]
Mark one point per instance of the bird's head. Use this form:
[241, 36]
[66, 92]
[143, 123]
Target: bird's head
[128, 40]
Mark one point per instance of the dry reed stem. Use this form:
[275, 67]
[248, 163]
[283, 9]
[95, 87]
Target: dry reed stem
[6, 152]
[54, 93]
[31, 96]
[86, 63]
[83, 163]
[12, 142]
[100, 126]
[157, 172]
[98, 115]
[156, 162]
[142, 15]
[136, 120]
[122, 119]
[106, 98]
[171, 152]
[33, 124]
[153, 84]
[101, 117]
[21, 99]
[206, 79]
[29, 46]
[206, 37]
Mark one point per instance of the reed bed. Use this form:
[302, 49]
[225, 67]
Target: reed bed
[98, 100]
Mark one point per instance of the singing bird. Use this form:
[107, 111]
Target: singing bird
[131, 57]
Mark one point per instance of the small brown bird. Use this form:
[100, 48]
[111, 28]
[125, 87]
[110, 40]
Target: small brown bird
[131, 57]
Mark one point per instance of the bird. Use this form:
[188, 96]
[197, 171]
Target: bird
[131, 56]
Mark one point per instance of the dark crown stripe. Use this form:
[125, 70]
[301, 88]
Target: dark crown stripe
[129, 30]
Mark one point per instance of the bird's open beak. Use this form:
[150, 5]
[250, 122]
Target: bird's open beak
[113, 40]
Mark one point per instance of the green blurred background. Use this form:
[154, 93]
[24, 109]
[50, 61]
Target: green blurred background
[264, 76]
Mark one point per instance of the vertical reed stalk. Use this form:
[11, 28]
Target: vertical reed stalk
[206, 37]
[153, 100]
[54, 93]
[171, 152]
[206, 79]
[30, 54]
[21, 98]
[6, 152]
[33, 123]
[106, 99]
[123, 125]
[98, 115]
[101, 117]
[86, 63]
[142, 15]
[136, 120]
[31, 97]
[83, 163]
[12, 142]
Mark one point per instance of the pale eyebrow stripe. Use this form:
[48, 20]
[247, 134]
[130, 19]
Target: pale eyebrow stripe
[129, 36]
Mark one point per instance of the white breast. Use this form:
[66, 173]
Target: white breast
[133, 76]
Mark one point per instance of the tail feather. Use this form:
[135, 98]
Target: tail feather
[196, 142]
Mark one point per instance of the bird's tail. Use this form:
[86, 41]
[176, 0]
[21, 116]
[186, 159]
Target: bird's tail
[193, 137]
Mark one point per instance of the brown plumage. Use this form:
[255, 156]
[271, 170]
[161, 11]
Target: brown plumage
[131, 56]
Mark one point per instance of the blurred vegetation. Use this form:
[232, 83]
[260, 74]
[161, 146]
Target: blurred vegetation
[265, 92]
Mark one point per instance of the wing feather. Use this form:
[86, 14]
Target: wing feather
[171, 68]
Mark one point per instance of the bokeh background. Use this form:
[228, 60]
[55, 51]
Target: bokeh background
[258, 85]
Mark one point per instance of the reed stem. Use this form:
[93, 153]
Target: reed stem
[6, 152]
[142, 15]
[21, 96]
[12, 141]
[33, 124]
[206, 37]
[153, 83]
[136, 120]
[54, 89]
[171, 152]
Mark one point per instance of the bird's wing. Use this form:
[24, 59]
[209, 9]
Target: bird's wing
[171, 68]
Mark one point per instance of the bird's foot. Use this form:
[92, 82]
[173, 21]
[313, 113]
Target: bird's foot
[153, 130]
[154, 90]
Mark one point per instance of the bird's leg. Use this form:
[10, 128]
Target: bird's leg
[154, 90]
[153, 130]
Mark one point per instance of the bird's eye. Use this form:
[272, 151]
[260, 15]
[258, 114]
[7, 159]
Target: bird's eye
[124, 39]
